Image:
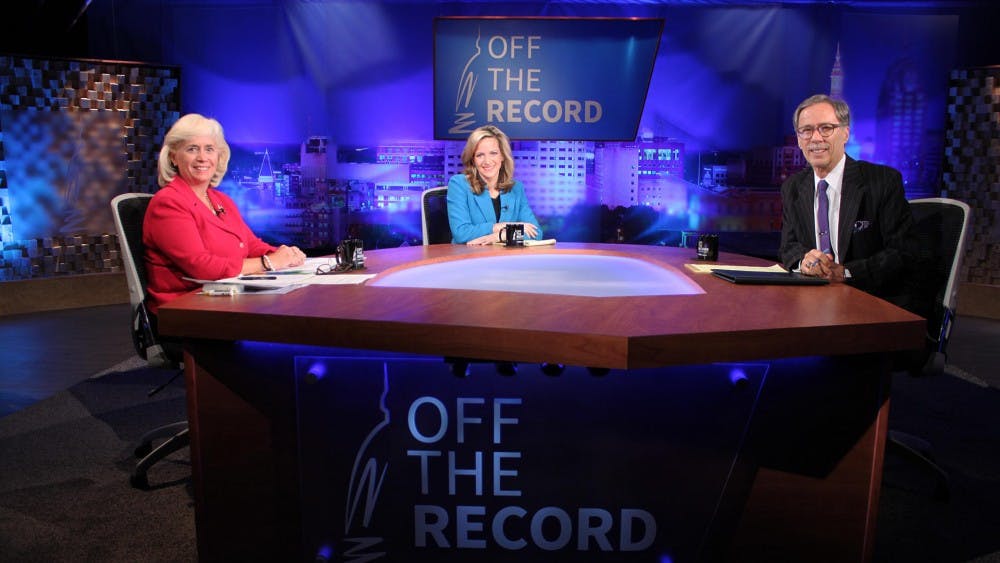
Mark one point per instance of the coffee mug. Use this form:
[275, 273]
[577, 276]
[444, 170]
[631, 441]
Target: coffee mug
[350, 255]
[708, 247]
[359, 254]
[512, 234]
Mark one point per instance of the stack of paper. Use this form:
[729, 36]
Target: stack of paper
[707, 268]
[282, 281]
[543, 242]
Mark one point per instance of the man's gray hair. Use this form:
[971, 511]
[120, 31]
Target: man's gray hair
[839, 108]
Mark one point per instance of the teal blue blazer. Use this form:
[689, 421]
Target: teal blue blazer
[472, 216]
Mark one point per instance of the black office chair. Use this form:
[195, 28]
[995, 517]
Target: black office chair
[129, 210]
[434, 216]
[941, 227]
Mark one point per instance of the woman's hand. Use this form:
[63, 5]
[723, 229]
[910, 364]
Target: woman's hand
[483, 240]
[286, 257]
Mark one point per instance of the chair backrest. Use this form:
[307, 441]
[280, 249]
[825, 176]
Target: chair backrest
[941, 226]
[129, 210]
[434, 216]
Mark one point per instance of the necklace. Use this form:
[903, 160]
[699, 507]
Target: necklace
[208, 201]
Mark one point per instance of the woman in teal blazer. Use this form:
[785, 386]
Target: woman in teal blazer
[485, 198]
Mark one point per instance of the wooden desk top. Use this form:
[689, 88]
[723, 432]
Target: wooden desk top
[727, 323]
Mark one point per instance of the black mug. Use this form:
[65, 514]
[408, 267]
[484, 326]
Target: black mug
[512, 234]
[708, 247]
[349, 254]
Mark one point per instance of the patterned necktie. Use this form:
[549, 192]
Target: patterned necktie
[823, 217]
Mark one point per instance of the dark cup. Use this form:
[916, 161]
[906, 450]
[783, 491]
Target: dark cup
[347, 253]
[359, 253]
[708, 247]
[512, 234]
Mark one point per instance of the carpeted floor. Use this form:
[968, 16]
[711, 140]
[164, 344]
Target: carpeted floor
[960, 419]
[65, 461]
[64, 466]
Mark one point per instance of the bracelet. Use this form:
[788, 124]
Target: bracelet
[266, 262]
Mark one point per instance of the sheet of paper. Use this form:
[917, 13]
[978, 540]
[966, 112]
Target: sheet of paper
[339, 279]
[707, 268]
[267, 280]
[543, 242]
[297, 277]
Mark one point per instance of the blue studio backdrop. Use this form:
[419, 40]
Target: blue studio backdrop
[337, 118]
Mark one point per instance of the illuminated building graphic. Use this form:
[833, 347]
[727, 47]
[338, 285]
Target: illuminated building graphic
[616, 173]
[900, 124]
[390, 177]
[265, 175]
[770, 166]
[649, 172]
[661, 174]
[312, 158]
[837, 78]
[554, 173]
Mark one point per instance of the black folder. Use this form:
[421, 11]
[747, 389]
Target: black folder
[768, 278]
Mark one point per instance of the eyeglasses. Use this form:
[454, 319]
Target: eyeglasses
[825, 130]
[330, 268]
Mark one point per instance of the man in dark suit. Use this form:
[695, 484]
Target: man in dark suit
[847, 220]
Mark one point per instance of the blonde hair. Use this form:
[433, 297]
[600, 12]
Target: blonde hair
[505, 178]
[187, 127]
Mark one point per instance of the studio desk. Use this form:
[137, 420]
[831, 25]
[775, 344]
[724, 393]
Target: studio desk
[720, 422]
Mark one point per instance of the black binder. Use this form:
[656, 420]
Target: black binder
[768, 278]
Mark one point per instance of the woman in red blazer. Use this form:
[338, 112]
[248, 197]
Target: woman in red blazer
[193, 230]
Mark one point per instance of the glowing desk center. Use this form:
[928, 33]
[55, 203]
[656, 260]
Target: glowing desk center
[555, 273]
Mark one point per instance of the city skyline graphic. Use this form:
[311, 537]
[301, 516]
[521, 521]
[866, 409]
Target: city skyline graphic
[319, 191]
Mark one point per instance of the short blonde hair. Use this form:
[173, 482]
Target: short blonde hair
[187, 127]
[505, 178]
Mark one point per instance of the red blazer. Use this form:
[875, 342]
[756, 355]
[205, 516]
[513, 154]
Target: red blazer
[184, 238]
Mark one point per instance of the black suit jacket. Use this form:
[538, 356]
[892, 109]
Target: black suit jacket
[875, 240]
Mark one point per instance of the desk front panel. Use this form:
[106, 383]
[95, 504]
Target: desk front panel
[398, 456]
[300, 452]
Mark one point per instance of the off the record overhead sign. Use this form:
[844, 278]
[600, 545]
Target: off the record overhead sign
[543, 78]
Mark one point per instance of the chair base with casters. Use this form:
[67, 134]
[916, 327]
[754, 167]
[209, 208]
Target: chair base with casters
[915, 449]
[920, 452]
[177, 440]
[159, 355]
